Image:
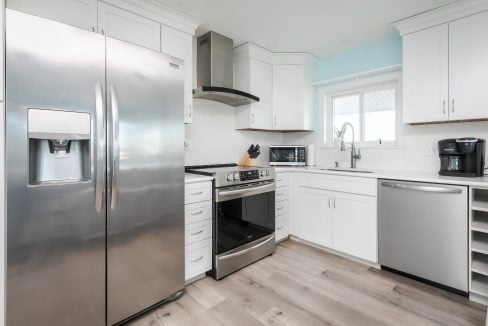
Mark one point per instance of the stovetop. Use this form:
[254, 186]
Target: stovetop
[232, 174]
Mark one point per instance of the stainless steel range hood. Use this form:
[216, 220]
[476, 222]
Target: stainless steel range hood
[215, 75]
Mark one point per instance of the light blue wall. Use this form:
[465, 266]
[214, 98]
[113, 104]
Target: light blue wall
[371, 56]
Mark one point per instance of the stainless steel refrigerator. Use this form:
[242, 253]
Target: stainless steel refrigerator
[95, 175]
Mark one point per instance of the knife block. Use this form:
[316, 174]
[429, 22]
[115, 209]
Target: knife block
[246, 160]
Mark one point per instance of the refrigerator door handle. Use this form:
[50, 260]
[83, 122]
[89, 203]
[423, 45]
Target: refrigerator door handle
[115, 148]
[100, 137]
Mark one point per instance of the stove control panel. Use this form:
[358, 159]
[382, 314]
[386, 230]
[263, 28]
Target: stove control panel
[248, 175]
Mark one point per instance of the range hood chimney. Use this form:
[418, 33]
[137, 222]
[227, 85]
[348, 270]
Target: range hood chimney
[215, 74]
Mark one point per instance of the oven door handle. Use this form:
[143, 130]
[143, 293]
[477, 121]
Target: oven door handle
[243, 191]
[245, 251]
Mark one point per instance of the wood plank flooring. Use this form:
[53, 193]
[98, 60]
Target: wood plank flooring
[300, 285]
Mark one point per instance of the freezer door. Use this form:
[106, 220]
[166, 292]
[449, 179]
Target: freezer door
[55, 234]
[423, 231]
[145, 219]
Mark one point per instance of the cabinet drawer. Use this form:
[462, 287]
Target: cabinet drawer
[198, 258]
[198, 231]
[281, 207]
[282, 179]
[282, 227]
[198, 212]
[353, 185]
[281, 193]
[198, 192]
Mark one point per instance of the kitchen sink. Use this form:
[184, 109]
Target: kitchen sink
[347, 170]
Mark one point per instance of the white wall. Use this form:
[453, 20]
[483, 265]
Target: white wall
[212, 137]
[418, 153]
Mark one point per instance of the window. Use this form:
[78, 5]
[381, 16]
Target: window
[371, 110]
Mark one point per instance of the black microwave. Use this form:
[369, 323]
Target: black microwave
[287, 155]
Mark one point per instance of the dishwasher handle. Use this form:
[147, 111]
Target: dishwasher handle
[435, 189]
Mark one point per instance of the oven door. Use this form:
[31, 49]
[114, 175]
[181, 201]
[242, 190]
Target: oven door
[244, 214]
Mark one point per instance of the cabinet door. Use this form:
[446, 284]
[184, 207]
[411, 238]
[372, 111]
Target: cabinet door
[468, 67]
[425, 75]
[315, 216]
[262, 87]
[129, 27]
[179, 45]
[288, 97]
[79, 13]
[355, 225]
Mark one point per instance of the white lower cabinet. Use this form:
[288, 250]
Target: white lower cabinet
[198, 258]
[315, 216]
[342, 221]
[198, 229]
[282, 194]
[354, 226]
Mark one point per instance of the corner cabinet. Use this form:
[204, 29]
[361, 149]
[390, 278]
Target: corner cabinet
[79, 13]
[292, 97]
[282, 81]
[444, 71]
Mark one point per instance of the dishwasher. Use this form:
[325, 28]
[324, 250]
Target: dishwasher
[423, 232]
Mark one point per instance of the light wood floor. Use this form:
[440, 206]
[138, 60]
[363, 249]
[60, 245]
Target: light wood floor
[300, 285]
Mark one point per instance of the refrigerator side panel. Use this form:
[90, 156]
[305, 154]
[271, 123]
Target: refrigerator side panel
[145, 219]
[55, 236]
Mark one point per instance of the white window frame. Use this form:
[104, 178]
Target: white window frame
[327, 93]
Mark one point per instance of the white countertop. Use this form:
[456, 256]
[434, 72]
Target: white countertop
[419, 176]
[194, 178]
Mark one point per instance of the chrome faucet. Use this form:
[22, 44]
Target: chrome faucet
[355, 155]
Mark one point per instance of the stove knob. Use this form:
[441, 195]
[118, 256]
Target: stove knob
[267, 172]
[236, 176]
[263, 173]
[230, 177]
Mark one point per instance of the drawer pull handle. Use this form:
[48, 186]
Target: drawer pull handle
[198, 259]
[197, 213]
[280, 194]
[279, 228]
[279, 208]
[196, 193]
[196, 232]
[279, 180]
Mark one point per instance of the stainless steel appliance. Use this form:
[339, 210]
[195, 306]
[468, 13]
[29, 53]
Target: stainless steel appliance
[287, 155]
[95, 178]
[215, 71]
[423, 231]
[463, 157]
[244, 215]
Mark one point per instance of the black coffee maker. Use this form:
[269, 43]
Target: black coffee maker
[463, 157]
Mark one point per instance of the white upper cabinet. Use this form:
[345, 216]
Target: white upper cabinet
[288, 102]
[129, 27]
[79, 13]
[180, 45]
[445, 53]
[282, 83]
[468, 67]
[425, 75]
[256, 78]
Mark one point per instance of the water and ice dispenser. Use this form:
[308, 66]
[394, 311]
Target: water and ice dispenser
[59, 146]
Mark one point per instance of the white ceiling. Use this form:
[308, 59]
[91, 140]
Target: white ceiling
[321, 27]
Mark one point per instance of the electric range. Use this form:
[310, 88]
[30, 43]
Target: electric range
[244, 215]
